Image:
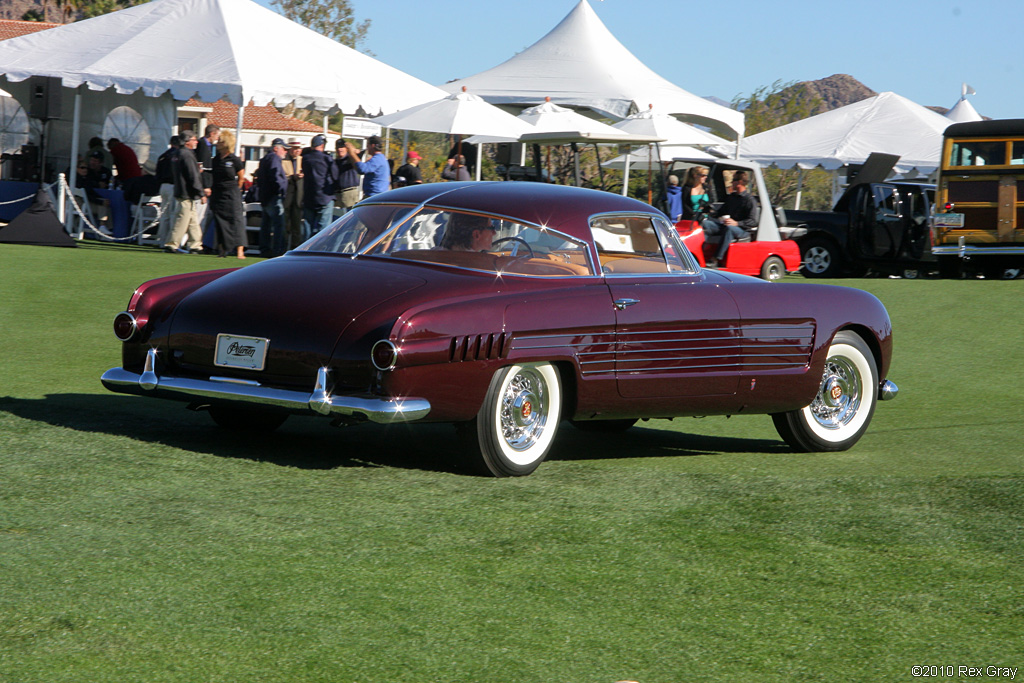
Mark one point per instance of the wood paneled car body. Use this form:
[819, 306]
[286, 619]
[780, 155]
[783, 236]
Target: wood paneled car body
[506, 308]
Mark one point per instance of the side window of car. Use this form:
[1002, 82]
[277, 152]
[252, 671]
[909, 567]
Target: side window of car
[885, 200]
[632, 245]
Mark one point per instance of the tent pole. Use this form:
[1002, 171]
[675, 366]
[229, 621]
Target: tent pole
[576, 162]
[600, 171]
[799, 189]
[76, 120]
[625, 172]
[739, 141]
[479, 159]
[238, 131]
[405, 147]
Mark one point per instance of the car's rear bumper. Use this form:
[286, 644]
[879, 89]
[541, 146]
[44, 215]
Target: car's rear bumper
[367, 406]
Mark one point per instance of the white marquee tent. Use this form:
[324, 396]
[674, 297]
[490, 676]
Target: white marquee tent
[885, 123]
[155, 55]
[580, 64]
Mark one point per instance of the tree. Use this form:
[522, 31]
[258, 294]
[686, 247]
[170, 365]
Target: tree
[776, 105]
[66, 11]
[332, 18]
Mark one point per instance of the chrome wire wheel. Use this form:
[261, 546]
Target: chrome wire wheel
[518, 420]
[841, 410]
[839, 396]
[524, 410]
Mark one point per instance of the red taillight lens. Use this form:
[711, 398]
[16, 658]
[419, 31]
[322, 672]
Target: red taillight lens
[948, 207]
[384, 355]
[125, 326]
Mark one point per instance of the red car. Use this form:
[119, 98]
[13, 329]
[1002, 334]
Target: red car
[505, 308]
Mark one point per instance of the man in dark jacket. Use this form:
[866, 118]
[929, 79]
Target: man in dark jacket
[273, 185]
[188, 191]
[738, 215]
[320, 178]
[165, 177]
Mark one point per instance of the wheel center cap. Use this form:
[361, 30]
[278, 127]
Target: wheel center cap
[837, 392]
[526, 409]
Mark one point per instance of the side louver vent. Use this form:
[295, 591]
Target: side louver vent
[479, 347]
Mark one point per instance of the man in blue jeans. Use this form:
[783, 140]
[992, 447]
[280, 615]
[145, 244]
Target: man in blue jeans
[738, 215]
[273, 184]
[320, 178]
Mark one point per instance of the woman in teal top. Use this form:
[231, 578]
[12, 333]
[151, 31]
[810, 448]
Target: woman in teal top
[696, 202]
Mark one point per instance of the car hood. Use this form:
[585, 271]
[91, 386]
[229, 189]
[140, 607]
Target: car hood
[301, 304]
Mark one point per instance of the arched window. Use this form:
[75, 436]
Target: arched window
[128, 126]
[14, 125]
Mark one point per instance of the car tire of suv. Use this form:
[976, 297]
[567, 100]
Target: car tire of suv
[821, 258]
[842, 410]
[517, 422]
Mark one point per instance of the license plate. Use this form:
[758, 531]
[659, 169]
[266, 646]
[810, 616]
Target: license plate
[234, 351]
[948, 220]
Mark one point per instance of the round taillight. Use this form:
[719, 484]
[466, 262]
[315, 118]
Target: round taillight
[125, 326]
[384, 355]
[948, 207]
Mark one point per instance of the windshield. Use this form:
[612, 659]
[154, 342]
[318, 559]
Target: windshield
[357, 228]
[455, 238]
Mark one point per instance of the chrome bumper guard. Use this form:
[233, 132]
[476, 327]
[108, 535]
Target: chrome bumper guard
[888, 390]
[373, 408]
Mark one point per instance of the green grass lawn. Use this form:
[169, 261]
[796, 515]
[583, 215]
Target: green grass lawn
[138, 542]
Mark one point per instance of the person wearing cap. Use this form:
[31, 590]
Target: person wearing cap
[273, 185]
[292, 164]
[375, 169]
[319, 182]
[348, 177]
[188, 190]
[409, 174]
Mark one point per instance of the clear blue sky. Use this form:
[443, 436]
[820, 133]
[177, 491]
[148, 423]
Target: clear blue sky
[920, 49]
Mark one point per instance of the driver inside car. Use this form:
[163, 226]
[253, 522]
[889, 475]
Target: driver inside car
[467, 232]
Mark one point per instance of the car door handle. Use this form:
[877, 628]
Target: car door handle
[621, 304]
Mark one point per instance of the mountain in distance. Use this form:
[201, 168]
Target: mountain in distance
[835, 91]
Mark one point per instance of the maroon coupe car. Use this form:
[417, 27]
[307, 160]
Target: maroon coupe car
[506, 308]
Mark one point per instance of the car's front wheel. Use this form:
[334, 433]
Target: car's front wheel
[840, 413]
[516, 425]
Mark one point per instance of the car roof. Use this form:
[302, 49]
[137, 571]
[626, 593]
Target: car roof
[563, 208]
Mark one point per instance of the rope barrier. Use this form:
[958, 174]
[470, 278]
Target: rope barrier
[15, 201]
[92, 228]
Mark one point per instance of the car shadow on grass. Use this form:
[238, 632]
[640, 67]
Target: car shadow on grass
[312, 443]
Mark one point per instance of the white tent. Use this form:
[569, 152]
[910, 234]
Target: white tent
[167, 51]
[963, 111]
[654, 157]
[671, 129]
[884, 123]
[579, 63]
[462, 113]
[235, 50]
[569, 126]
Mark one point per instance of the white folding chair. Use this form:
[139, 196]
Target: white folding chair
[146, 222]
[76, 226]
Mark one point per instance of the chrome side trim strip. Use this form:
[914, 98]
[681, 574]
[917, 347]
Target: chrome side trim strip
[977, 251]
